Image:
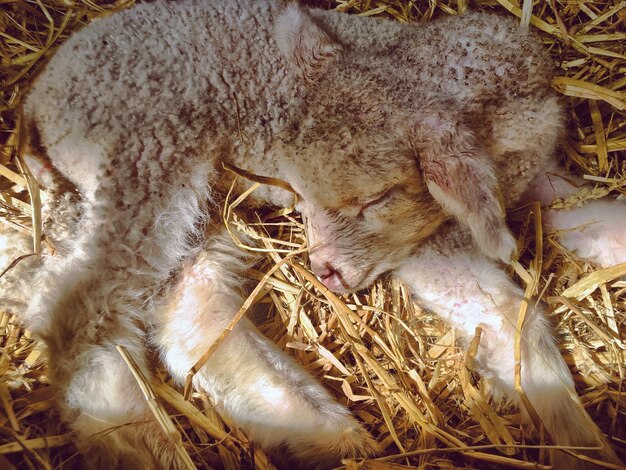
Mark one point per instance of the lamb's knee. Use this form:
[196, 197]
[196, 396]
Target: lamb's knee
[103, 388]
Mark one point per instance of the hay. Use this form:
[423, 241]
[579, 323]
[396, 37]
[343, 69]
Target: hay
[396, 366]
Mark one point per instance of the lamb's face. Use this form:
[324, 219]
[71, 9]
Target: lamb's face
[355, 242]
[365, 206]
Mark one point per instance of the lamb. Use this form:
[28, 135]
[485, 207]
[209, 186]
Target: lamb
[139, 111]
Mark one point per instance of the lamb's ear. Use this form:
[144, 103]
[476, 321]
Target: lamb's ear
[308, 48]
[460, 176]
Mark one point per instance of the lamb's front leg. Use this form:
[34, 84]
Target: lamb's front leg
[595, 231]
[469, 290]
[248, 378]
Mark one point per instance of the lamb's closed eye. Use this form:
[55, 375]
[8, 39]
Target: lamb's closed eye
[378, 201]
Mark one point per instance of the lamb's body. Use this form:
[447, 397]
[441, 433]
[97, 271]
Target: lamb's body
[219, 89]
[141, 109]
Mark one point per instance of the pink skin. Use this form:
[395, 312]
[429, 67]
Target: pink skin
[335, 265]
[324, 260]
[334, 279]
[340, 276]
[328, 275]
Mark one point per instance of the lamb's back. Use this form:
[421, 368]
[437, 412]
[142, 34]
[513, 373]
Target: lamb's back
[160, 75]
[478, 57]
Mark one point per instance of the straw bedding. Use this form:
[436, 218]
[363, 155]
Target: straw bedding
[397, 367]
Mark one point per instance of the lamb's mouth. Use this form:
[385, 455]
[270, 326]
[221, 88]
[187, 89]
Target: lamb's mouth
[337, 283]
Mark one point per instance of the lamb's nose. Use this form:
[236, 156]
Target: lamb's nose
[322, 270]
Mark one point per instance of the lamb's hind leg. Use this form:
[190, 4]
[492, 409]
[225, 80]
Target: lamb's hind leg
[99, 397]
[470, 291]
[248, 378]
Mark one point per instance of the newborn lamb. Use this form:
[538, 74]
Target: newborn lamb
[404, 152]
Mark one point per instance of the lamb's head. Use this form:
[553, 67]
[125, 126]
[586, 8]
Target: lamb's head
[361, 194]
[366, 207]
[375, 175]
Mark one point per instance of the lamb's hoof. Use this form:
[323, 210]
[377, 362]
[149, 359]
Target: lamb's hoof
[326, 449]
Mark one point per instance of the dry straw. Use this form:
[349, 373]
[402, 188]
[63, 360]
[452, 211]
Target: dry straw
[396, 366]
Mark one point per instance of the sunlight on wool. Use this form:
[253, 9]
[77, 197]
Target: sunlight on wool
[272, 394]
[5, 251]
